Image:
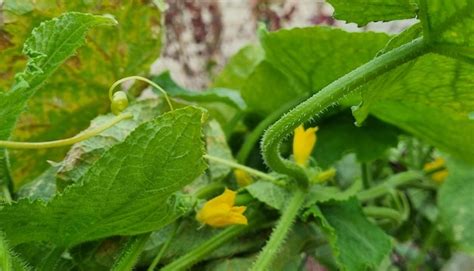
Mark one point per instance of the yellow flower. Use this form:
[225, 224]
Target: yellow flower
[303, 144]
[438, 163]
[220, 211]
[242, 177]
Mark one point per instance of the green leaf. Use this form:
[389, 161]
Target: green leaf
[78, 90]
[338, 136]
[63, 35]
[357, 244]
[126, 192]
[270, 194]
[234, 264]
[43, 187]
[9, 261]
[226, 96]
[48, 47]
[430, 97]
[450, 25]
[363, 12]
[84, 154]
[301, 61]
[216, 145]
[455, 203]
[268, 82]
[239, 67]
[277, 197]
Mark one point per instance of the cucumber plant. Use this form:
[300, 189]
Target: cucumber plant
[315, 146]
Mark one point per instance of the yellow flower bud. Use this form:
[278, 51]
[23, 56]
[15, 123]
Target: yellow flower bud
[303, 144]
[326, 175]
[438, 163]
[220, 211]
[242, 177]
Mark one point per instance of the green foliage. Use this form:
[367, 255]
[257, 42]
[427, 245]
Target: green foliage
[77, 93]
[239, 67]
[363, 12]
[338, 136]
[8, 260]
[84, 154]
[297, 64]
[223, 95]
[455, 204]
[49, 46]
[119, 195]
[128, 196]
[357, 243]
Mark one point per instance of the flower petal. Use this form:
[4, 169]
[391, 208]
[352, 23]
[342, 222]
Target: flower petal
[303, 144]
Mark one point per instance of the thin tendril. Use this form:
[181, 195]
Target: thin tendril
[249, 170]
[68, 141]
[136, 77]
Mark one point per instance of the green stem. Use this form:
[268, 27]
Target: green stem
[425, 19]
[6, 194]
[383, 212]
[393, 182]
[280, 232]
[6, 261]
[366, 175]
[250, 170]
[328, 96]
[136, 77]
[163, 249]
[205, 248]
[130, 253]
[254, 136]
[68, 141]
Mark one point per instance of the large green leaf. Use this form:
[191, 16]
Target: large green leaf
[302, 61]
[357, 244]
[363, 12]
[338, 136]
[239, 67]
[455, 203]
[84, 154]
[48, 47]
[127, 191]
[450, 24]
[78, 90]
[430, 97]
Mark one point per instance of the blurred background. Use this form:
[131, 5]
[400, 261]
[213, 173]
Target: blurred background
[202, 35]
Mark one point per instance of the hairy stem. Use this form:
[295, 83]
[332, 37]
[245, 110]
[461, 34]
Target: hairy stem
[254, 136]
[280, 232]
[129, 254]
[327, 97]
[68, 141]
